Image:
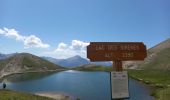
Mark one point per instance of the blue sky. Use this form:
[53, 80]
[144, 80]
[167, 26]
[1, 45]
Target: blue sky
[63, 28]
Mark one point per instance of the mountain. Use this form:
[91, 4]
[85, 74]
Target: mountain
[75, 61]
[69, 62]
[25, 62]
[2, 56]
[158, 57]
[5, 56]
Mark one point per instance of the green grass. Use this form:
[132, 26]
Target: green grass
[163, 94]
[93, 68]
[33, 65]
[160, 79]
[152, 76]
[13, 95]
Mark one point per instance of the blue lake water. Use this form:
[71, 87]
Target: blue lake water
[85, 85]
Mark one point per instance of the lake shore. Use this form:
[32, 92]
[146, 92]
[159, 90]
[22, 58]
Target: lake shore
[9, 94]
[16, 95]
[56, 95]
[55, 82]
[41, 71]
[157, 79]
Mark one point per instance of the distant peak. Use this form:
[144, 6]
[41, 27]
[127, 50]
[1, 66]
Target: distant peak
[163, 45]
[76, 57]
[168, 39]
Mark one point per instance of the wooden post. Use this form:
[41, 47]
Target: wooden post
[117, 65]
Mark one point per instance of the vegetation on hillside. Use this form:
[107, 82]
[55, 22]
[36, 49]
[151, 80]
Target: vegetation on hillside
[32, 64]
[157, 78]
[24, 62]
[160, 61]
[162, 94]
[13, 95]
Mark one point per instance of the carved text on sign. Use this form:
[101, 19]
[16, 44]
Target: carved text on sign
[109, 51]
[117, 47]
[127, 55]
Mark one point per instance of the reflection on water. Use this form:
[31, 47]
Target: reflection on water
[71, 71]
[84, 85]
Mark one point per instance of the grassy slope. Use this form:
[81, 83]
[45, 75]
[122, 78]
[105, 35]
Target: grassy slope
[33, 65]
[25, 62]
[13, 95]
[156, 70]
[152, 76]
[161, 61]
[163, 94]
[157, 78]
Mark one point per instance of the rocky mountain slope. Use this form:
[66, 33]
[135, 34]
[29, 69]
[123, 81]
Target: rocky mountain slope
[25, 62]
[158, 57]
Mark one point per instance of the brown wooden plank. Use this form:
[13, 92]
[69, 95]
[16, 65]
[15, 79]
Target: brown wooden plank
[110, 56]
[116, 46]
[109, 51]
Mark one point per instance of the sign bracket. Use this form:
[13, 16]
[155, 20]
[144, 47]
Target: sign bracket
[117, 65]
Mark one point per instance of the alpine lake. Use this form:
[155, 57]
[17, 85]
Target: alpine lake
[77, 84]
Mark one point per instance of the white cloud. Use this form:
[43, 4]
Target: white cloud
[64, 50]
[33, 41]
[61, 46]
[29, 41]
[78, 45]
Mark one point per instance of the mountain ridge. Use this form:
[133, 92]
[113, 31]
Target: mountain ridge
[75, 61]
[25, 62]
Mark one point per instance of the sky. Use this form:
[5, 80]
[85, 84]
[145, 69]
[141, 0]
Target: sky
[63, 28]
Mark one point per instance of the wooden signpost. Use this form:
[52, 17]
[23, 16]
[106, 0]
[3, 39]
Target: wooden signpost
[117, 52]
